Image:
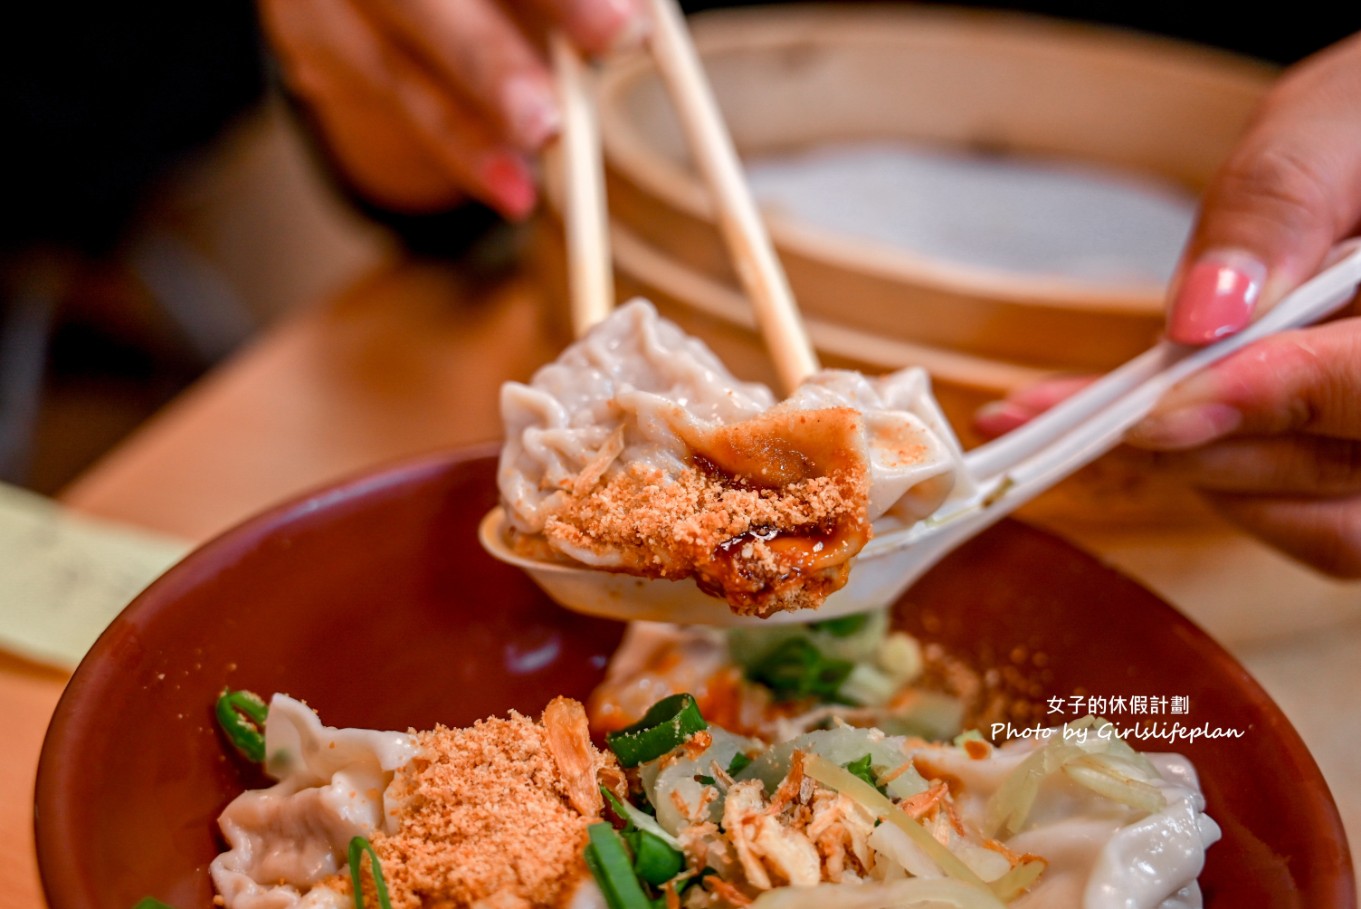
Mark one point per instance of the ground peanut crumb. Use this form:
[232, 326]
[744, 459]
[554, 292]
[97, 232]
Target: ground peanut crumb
[767, 515]
[488, 818]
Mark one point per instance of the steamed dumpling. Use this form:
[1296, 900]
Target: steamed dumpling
[638, 451]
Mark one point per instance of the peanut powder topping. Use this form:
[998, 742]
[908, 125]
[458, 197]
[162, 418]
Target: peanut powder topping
[767, 517]
[491, 814]
[762, 502]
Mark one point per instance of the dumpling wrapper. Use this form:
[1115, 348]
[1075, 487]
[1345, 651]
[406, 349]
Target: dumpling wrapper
[333, 785]
[638, 451]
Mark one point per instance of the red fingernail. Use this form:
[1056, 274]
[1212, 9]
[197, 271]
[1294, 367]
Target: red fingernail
[1216, 297]
[510, 184]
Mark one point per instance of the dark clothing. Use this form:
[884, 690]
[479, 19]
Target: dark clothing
[101, 99]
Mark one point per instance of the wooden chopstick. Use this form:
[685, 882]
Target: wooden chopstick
[749, 244]
[590, 274]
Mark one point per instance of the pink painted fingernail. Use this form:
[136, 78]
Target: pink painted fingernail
[1185, 427]
[532, 111]
[510, 184]
[1216, 297]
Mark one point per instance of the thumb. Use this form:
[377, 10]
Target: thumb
[1289, 191]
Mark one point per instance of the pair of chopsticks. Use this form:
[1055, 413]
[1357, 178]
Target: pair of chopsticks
[587, 220]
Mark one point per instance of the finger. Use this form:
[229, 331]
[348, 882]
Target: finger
[1285, 465]
[383, 113]
[1286, 194]
[596, 26]
[1305, 381]
[1024, 404]
[390, 166]
[1324, 533]
[372, 142]
[476, 49]
[452, 132]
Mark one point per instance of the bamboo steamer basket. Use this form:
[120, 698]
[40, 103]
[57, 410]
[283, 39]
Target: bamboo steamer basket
[796, 78]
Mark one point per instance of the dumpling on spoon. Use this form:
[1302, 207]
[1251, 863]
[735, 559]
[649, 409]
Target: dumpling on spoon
[638, 451]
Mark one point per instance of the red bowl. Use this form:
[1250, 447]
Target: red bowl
[373, 601]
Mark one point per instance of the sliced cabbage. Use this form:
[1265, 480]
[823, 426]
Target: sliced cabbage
[841, 746]
[1090, 753]
[878, 804]
[671, 785]
[891, 842]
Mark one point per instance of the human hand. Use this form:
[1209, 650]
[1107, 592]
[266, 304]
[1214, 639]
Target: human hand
[1289, 191]
[423, 103]
[1271, 435]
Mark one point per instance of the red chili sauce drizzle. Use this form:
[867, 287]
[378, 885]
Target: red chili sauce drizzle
[794, 565]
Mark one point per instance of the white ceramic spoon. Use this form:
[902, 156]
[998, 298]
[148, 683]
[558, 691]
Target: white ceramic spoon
[1009, 472]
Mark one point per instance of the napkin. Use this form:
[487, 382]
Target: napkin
[65, 576]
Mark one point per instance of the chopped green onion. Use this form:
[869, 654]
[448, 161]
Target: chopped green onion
[861, 768]
[150, 902]
[653, 860]
[358, 846]
[612, 869]
[843, 627]
[636, 817]
[796, 669]
[242, 715]
[667, 724]
[739, 762]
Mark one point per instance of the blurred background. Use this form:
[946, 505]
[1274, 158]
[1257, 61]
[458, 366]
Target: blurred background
[163, 205]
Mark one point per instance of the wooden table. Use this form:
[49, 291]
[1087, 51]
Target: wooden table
[410, 359]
